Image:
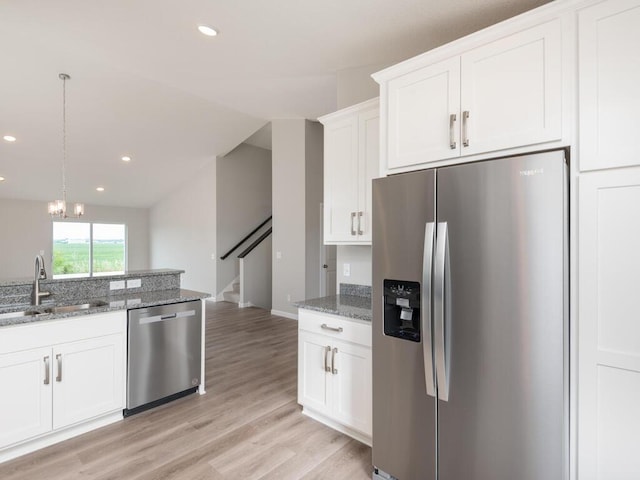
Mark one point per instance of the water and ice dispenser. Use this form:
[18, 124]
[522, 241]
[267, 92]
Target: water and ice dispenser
[402, 309]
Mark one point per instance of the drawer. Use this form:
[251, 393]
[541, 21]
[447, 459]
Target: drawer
[335, 326]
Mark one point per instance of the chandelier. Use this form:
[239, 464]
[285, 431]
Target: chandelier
[58, 208]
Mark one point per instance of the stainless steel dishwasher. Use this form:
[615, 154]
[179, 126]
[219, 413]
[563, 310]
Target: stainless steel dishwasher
[164, 354]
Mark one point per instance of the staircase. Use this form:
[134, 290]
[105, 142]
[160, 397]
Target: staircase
[232, 295]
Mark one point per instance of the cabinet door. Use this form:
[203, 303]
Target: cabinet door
[420, 105]
[88, 379]
[313, 357]
[609, 327]
[341, 180]
[25, 402]
[351, 385]
[609, 79]
[511, 90]
[368, 167]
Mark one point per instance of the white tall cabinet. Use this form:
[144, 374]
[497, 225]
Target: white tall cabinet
[351, 159]
[609, 241]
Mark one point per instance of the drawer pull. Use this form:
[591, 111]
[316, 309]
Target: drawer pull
[324, 326]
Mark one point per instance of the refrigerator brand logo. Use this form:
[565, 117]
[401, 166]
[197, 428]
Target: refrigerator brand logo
[533, 171]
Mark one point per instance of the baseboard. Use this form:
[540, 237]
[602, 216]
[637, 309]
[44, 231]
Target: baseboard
[280, 313]
[361, 437]
[54, 437]
[245, 304]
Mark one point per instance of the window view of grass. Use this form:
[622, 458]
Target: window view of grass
[72, 253]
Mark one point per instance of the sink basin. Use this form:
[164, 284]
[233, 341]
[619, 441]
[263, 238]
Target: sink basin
[74, 308]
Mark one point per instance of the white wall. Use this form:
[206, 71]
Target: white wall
[243, 201]
[183, 231]
[359, 259]
[293, 159]
[27, 229]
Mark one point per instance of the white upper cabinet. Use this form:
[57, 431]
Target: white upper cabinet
[423, 114]
[609, 79]
[351, 161]
[511, 91]
[490, 96]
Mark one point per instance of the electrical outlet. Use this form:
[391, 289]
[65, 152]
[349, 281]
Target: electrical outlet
[346, 269]
[213, 256]
[116, 285]
[279, 255]
[134, 283]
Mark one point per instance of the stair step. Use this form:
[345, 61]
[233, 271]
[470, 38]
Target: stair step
[232, 297]
[236, 288]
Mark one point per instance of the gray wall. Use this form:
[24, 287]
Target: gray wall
[294, 159]
[27, 229]
[183, 231]
[243, 192]
[314, 151]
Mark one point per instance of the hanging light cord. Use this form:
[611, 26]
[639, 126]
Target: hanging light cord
[64, 78]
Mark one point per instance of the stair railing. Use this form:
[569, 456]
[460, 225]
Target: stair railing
[249, 235]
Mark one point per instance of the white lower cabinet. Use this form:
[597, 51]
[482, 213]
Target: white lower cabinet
[25, 403]
[334, 372]
[58, 375]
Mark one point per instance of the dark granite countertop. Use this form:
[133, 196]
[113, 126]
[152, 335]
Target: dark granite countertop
[350, 306]
[113, 303]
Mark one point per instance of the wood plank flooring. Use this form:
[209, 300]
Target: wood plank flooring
[247, 426]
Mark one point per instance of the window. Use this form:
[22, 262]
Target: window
[88, 249]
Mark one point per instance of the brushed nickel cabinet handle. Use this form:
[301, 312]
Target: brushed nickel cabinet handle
[353, 216]
[324, 326]
[59, 360]
[465, 126]
[360, 232]
[452, 136]
[47, 378]
[334, 370]
[327, 349]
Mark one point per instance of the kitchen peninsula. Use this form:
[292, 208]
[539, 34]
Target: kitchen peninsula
[63, 363]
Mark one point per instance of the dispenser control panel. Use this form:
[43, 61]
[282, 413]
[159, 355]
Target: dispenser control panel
[402, 309]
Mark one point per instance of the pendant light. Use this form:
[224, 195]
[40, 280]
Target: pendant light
[58, 208]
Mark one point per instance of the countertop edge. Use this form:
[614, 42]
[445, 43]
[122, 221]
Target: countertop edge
[115, 303]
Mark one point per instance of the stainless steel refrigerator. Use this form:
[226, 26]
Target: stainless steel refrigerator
[470, 321]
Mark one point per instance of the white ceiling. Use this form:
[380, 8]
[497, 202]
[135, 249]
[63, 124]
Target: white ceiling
[145, 83]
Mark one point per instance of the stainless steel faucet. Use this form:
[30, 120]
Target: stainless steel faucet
[40, 274]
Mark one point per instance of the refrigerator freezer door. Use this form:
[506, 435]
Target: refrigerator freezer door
[504, 418]
[404, 430]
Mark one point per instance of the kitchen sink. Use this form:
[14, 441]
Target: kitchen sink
[53, 309]
[74, 308]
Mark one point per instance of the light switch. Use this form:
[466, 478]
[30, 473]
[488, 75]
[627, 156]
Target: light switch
[346, 269]
[279, 255]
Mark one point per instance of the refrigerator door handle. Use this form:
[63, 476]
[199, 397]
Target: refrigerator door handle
[441, 311]
[427, 340]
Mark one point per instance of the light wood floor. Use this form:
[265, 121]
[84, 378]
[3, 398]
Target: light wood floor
[247, 426]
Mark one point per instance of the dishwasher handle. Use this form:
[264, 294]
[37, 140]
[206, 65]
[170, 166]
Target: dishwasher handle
[164, 318]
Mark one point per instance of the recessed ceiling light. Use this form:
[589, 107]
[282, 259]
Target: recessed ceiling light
[207, 30]
[9, 138]
[100, 189]
[126, 159]
[1, 179]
